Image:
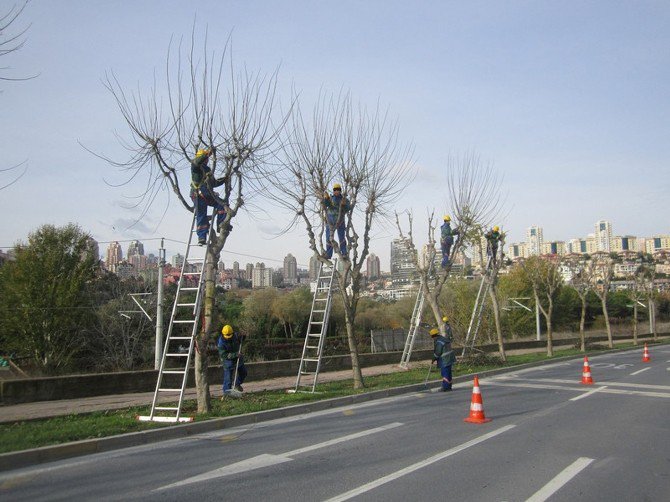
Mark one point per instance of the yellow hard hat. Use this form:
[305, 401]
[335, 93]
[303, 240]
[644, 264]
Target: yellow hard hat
[337, 186]
[445, 319]
[434, 332]
[447, 217]
[227, 331]
[496, 228]
[202, 151]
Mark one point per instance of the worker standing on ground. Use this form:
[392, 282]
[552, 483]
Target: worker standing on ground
[336, 207]
[203, 195]
[443, 354]
[493, 238]
[229, 352]
[447, 239]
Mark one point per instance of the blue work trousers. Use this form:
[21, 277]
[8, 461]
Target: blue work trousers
[202, 199]
[446, 249]
[445, 370]
[340, 237]
[229, 371]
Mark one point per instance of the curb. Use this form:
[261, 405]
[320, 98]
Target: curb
[35, 456]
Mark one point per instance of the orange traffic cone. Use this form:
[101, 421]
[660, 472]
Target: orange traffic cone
[645, 355]
[586, 374]
[476, 406]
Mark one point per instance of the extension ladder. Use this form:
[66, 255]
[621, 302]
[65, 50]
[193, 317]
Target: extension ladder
[478, 309]
[181, 334]
[414, 326]
[310, 362]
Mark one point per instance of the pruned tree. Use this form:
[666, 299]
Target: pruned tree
[603, 271]
[580, 270]
[205, 103]
[545, 278]
[645, 279]
[359, 148]
[473, 201]
[640, 278]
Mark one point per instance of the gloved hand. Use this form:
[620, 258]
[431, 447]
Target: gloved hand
[232, 356]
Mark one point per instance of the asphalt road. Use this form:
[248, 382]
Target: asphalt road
[550, 438]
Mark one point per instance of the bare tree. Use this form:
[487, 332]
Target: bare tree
[603, 271]
[473, 201]
[210, 106]
[545, 278]
[645, 280]
[580, 269]
[11, 42]
[640, 278]
[358, 148]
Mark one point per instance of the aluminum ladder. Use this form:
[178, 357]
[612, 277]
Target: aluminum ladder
[478, 309]
[414, 326]
[310, 362]
[180, 339]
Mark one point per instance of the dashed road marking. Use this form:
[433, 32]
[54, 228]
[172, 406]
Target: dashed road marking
[561, 479]
[639, 371]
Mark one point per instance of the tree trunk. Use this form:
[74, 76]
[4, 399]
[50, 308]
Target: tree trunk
[201, 360]
[603, 301]
[634, 321]
[353, 349]
[496, 317]
[582, 322]
[550, 333]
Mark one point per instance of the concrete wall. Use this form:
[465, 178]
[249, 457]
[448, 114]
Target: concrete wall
[77, 386]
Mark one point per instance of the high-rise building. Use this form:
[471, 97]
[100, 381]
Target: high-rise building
[517, 250]
[261, 277]
[619, 244]
[534, 240]
[373, 268]
[95, 248]
[138, 261]
[313, 268]
[603, 236]
[290, 270]
[554, 247]
[402, 262]
[657, 243]
[177, 260]
[135, 248]
[114, 256]
[249, 271]
[236, 270]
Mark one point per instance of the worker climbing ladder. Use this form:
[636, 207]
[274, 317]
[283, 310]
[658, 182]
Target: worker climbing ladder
[181, 334]
[310, 362]
[414, 326]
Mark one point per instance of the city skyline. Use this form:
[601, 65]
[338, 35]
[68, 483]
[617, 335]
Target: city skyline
[568, 105]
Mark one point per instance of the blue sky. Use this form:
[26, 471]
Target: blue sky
[568, 100]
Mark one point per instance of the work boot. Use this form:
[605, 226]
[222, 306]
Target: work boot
[202, 242]
[239, 388]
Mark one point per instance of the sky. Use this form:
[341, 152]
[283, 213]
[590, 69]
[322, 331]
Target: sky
[568, 101]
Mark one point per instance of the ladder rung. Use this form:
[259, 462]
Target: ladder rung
[177, 355]
[308, 372]
[174, 372]
[312, 346]
[189, 289]
[314, 334]
[186, 304]
[311, 359]
[180, 338]
[177, 321]
[192, 273]
[316, 322]
[321, 299]
[166, 408]
[169, 390]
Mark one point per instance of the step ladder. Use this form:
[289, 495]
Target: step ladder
[310, 362]
[414, 326]
[478, 309]
[181, 334]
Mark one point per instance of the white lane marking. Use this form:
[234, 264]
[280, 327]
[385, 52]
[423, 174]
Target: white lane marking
[561, 479]
[415, 467]
[614, 384]
[639, 371]
[603, 388]
[266, 460]
[587, 394]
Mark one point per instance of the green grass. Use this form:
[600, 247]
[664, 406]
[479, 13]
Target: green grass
[35, 433]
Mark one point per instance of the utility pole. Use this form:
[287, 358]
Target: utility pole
[159, 308]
